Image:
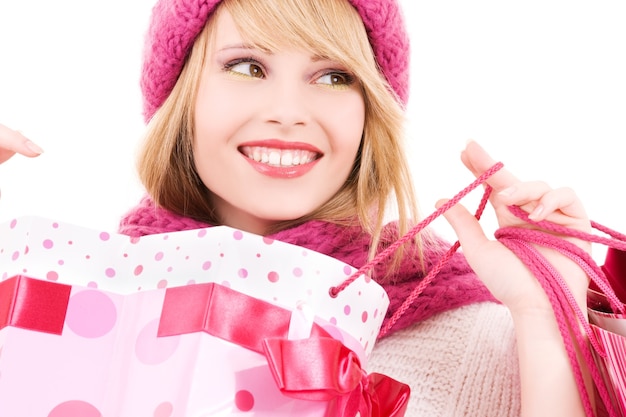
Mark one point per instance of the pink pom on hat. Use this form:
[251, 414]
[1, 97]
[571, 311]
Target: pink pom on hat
[175, 24]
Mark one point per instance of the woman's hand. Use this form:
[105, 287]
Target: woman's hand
[548, 386]
[12, 142]
[502, 272]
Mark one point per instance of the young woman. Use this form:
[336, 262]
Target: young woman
[285, 118]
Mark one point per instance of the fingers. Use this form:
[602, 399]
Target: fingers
[12, 142]
[465, 225]
[537, 198]
[542, 202]
[477, 160]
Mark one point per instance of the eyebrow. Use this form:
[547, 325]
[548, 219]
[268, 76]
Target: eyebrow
[237, 46]
[247, 46]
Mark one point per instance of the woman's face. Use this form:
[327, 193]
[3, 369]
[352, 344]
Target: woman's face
[276, 134]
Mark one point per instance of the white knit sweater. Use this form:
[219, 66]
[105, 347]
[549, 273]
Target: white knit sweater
[459, 363]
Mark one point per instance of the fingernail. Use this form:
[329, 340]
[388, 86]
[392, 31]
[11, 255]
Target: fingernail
[534, 215]
[507, 192]
[34, 147]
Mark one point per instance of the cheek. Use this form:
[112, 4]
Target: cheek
[216, 104]
[207, 132]
[349, 122]
[207, 111]
[214, 121]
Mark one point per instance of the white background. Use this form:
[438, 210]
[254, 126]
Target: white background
[540, 83]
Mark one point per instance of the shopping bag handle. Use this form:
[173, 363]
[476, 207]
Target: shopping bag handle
[569, 316]
[388, 251]
[613, 239]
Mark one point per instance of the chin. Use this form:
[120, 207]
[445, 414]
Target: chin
[290, 216]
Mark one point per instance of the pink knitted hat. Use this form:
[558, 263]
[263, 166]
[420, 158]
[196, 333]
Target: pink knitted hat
[175, 24]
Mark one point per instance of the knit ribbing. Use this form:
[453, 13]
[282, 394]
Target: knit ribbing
[384, 23]
[455, 286]
[459, 363]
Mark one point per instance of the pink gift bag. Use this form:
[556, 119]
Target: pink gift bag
[209, 322]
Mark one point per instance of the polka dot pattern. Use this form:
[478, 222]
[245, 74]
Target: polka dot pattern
[75, 409]
[273, 276]
[152, 350]
[164, 410]
[244, 400]
[112, 318]
[91, 314]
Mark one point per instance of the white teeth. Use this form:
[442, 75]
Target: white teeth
[274, 158]
[286, 159]
[279, 157]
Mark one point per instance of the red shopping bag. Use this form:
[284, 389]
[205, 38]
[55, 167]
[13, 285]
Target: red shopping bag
[615, 270]
[608, 324]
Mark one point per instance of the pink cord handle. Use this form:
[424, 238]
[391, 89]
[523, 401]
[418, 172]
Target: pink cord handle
[419, 227]
[410, 235]
[569, 316]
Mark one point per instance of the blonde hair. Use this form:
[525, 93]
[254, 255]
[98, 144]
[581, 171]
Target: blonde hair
[332, 29]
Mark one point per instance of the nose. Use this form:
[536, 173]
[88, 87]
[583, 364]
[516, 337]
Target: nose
[286, 104]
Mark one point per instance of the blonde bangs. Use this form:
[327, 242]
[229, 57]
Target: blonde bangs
[331, 29]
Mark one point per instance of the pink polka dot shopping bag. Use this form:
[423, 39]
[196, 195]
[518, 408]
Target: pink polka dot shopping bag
[207, 322]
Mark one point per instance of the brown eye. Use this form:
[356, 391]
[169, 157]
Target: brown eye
[336, 79]
[247, 69]
[256, 71]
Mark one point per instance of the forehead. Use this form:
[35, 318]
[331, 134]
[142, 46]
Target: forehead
[226, 31]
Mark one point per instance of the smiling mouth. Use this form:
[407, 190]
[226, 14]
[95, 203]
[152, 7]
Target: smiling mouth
[279, 157]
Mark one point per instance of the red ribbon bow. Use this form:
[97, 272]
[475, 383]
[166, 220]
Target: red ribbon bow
[319, 368]
[323, 369]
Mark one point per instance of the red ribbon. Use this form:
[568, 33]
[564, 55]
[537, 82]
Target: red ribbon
[33, 304]
[319, 368]
[323, 369]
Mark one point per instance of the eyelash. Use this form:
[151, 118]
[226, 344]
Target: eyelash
[246, 60]
[349, 78]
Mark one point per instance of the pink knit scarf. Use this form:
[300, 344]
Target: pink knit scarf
[454, 286]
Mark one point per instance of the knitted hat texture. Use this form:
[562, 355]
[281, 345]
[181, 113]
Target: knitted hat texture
[175, 24]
